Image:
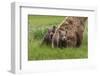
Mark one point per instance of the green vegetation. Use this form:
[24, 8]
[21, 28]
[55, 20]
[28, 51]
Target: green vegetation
[37, 27]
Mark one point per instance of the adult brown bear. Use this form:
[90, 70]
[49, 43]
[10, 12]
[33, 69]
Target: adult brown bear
[74, 25]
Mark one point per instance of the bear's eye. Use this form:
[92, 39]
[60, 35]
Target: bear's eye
[68, 38]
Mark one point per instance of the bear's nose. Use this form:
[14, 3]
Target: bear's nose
[64, 38]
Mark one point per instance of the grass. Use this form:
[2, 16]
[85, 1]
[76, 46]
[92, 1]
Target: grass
[37, 27]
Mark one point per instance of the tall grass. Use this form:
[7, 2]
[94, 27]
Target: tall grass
[37, 27]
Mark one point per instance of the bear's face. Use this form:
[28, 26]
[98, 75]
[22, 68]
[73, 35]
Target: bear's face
[62, 34]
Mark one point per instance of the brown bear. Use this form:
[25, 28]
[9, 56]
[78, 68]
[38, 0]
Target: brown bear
[47, 39]
[59, 39]
[63, 38]
[79, 25]
[75, 25]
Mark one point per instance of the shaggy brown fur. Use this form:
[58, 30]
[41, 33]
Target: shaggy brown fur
[48, 36]
[59, 39]
[78, 26]
[75, 27]
[71, 38]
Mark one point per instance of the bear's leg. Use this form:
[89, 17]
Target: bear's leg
[79, 39]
